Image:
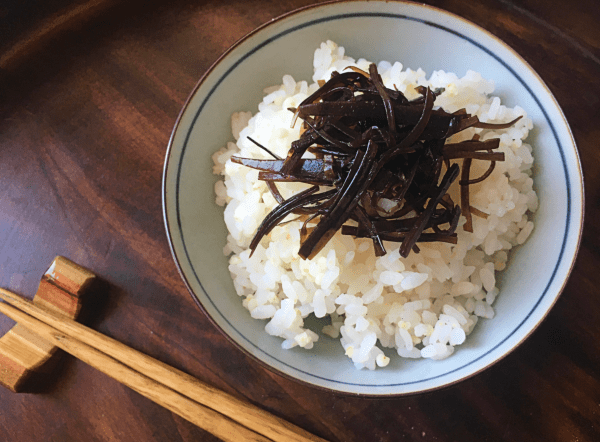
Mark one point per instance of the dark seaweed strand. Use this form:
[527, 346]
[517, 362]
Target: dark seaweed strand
[366, 201]
[471, 145]
[274, 177]
[364, 220]
[491, 156]
[464, 195]
[275, 156]
[404, 225]
[298, 149]
[316, 203]
[275, 192]
[425, 237]
[414, 234]
[357, 181]
[414, 134]
[387, 102]
[483, 125]
[485, 175]
[326, 136]
[278, 214]
[475, 145]
[332, 83]
[453, 222]
[297, 204]
[408, 182]
[477, 212]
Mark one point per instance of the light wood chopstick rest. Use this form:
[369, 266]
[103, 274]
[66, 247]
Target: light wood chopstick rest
[24, 356]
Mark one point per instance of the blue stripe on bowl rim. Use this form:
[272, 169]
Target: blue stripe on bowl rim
[399, 17]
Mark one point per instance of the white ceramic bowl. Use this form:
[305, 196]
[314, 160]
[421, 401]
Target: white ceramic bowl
[418, 36]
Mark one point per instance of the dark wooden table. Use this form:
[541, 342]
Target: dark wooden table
[89, 93]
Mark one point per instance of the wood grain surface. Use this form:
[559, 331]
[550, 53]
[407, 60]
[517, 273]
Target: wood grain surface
[89, 93]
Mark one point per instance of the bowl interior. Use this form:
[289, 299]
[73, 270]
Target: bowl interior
[417, 36]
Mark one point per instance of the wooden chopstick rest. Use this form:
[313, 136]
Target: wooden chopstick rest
[23, 354]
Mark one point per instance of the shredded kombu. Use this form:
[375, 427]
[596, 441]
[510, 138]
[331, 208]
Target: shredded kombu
[381, 166]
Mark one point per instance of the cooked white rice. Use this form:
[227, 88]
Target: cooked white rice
[422, 306]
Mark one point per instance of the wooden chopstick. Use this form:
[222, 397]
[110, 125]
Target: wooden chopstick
[215, 423]
[147, 376]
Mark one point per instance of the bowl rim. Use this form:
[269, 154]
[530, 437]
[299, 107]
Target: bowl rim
[304, 9]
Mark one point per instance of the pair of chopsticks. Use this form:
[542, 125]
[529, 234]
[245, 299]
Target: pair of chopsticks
[215, 411]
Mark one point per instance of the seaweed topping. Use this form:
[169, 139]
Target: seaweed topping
[379, 157]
